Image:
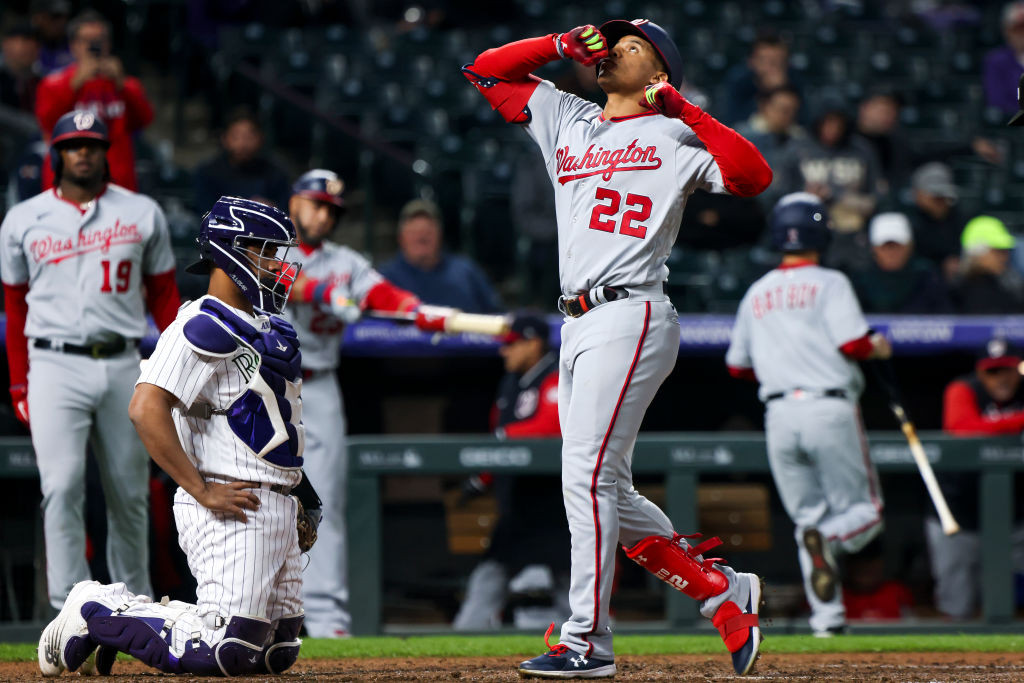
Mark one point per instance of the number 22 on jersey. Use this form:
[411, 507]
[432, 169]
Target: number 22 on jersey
[607, 208]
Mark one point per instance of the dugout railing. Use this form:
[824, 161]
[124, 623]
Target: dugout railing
[681, 458]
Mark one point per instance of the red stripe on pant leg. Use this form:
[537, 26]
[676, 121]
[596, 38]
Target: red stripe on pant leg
[597, 470]
[865, 453]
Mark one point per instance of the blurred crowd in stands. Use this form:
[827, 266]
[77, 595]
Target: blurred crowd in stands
[902, 138]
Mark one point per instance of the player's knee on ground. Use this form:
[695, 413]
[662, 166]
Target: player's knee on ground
[240, 651]
[679, 568]
[283, 650]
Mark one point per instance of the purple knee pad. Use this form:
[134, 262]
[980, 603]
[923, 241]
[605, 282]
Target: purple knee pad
[240, 651]
[282, 652]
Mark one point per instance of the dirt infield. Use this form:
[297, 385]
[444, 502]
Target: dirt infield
[889, 667]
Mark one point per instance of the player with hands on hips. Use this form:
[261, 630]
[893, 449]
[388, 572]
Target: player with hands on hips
[218, 407]
[800, 331]
[81, 264]
[621, 178]
[336, 285]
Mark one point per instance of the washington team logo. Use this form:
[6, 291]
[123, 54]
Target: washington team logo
[54, 249]
[84, 120]
[605, 162]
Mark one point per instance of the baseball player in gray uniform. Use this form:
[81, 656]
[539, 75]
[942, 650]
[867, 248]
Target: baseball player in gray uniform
[621, 177]
[81, 263]
[218, 407]
[799, 332]
[336, 284]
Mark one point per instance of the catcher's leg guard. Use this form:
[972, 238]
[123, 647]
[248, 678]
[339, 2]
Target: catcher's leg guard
[679, 568]
[282, 652]
[142, 637]
[240, 651]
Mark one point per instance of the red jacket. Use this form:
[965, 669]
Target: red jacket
[125, 111]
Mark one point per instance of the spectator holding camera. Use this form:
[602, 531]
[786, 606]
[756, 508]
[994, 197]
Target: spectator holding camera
[96, 81]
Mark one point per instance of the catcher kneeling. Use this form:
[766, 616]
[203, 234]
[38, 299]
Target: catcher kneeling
[217, 407]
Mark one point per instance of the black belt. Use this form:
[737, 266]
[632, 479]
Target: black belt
[278, 488]
[97, 350]
[827, 393]
[575, 306]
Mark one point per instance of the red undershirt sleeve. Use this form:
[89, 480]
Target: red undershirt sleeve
[743, 373]
[17, 344]
[503, 74]
[745, 173]
[162, 298]
[858, 349]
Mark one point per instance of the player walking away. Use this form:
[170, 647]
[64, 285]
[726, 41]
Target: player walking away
[800, 332]
[529, 549]
[81, 263]
[621, 179]
[218, 408]
[336, 285]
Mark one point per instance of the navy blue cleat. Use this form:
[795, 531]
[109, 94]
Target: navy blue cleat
[561, 662]
[740, 628]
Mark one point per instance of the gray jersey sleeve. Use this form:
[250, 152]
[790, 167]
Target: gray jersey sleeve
[844, 320]
[158, 256]
[13, 268]
[702, 172]
[549, 107]
[738, 354]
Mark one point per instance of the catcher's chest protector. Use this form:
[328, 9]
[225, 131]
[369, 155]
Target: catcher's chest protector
[266, 415]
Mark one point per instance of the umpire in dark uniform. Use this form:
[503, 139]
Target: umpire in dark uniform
[529, 550]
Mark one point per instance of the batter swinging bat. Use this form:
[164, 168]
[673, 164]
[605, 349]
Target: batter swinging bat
[887, 378]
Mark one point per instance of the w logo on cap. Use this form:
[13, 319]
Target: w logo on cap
[793, 236]
[84, 120]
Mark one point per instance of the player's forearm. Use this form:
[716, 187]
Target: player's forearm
[162, 298]
[388, 298]
[17, 344]
[150, 412]
[515, 61]
[744, 171]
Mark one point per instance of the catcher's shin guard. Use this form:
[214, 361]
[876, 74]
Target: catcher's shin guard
[680, 568]
[144, 638]
[240, 651]
[282, 652]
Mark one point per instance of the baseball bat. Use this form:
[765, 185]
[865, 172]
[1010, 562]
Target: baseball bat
[887, 378]
[473, 323]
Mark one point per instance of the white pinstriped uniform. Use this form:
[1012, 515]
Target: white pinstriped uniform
[251, 567]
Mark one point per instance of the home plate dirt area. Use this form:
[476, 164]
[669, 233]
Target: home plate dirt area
[889, 667]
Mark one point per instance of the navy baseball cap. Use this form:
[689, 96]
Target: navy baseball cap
[79, 124]
[528, 326]
[998, 353]
[655, 35]
[321, 185]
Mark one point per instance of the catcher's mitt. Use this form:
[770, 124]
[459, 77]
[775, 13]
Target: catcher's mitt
[307, 522]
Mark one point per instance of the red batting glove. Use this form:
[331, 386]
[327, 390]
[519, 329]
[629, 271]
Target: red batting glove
[19, 399]
[664, 99]
[585, 44]
[433, 318]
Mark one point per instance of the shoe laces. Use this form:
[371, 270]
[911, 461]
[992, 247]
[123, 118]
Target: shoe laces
[556, 649]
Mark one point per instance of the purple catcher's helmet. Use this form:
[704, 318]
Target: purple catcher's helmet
[79, 124]
[228, 232]
[655, 35]
[321, 185]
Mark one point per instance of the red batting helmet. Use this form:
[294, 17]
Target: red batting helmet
[75, 125]
[655, 35]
